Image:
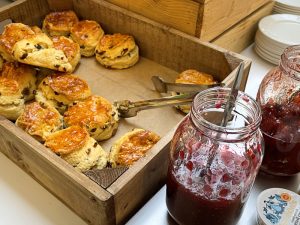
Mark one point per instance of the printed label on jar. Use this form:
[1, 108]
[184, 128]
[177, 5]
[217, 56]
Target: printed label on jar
[278, 206]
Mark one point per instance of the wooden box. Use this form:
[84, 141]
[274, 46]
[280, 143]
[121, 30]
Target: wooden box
[205, 19]
[164, 51]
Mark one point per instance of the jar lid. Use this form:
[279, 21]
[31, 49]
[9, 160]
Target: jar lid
[278, 206]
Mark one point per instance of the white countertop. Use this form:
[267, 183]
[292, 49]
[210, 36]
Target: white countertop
[24, 201]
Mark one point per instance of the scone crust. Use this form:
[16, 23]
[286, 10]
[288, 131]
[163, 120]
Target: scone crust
[38, 50]
[96, 114]
[194, 77]
[131, 147]
[68, 140]
[24, 75]
[115, 45]
[87, 34]
[70, 49]
[13, 33]
[40, 120]
[59, 23]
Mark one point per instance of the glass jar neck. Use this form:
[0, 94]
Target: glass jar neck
[290, 62]
[208, 109]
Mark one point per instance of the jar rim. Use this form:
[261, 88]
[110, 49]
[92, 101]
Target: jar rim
[250, 102]
[286, 63]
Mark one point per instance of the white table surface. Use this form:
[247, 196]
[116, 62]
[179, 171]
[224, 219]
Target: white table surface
[23, 201]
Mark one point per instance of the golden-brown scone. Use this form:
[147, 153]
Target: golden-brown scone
[13, 33]
[70, 49]
[59, 23]
[87, 34]
[24, 75]
[60, 90]
[38, 50]
[36, 29]
[75, 145]
[193, 77]
[131, 147]
[96, 114]
[40, 120]
[11, 99]
[117, 51]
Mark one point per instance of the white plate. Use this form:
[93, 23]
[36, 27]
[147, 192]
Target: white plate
[282, 28]
[267, 53]
[286, 10]
[291, 3]
[268, 44]
[265, 57]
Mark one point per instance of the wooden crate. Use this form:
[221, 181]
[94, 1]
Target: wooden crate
[205, 19]
[242, 34]
[164, 51]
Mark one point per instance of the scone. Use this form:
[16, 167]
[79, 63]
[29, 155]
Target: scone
[96, 114]
[70, 49]
[11, 99]
[38, 50]
[40, 120]
[36, 29]
[131, 147]
[75, 145]
[59, 23]
[61, 90]
[117, 51]
[87, 34]
[24, 75]
[13, 33]
[193, 77]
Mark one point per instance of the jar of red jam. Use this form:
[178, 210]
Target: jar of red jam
[279, 98]
[212, 168]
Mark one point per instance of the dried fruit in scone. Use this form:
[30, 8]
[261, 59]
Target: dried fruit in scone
[193, 77]
[38, 50]
[61, 90]
[59, 23]
[40, 120]
[11, 99]
[117, 51]
[96, 114]
[131, 147]
[70, 49]
[13, 33]
[25, 76]
[87, 34]
[75, 145]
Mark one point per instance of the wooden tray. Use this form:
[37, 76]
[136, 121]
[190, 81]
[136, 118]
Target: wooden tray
[165, 52]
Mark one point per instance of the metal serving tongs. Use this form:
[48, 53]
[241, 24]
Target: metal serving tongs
[165, 87]
[127, 108]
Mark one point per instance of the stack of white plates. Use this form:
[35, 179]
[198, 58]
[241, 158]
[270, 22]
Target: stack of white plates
[287, 6]
[275, 33]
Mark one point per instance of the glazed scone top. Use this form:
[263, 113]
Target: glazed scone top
[115, 45]
[67, 86]
[60, 21]
[39, 119]
[194, 77]
[13, 33]
[68, 140]
[9, 87]
[95, 110]
[67, 45]
[86, 32]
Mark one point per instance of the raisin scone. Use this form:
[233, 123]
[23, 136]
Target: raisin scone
[40, 120]
[59, 23]
[61, 90]
[96, 114]
[38, 50]
[131, 147]
[76, 147]
[117, 51]
[87, 34]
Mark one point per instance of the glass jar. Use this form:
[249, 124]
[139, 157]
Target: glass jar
[212, 168]
[279, 98]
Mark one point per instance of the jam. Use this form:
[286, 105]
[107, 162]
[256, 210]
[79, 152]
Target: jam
[281, 131]
[212, 168]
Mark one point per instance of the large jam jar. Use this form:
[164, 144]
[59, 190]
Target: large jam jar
[212, 168]
[279, 97]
